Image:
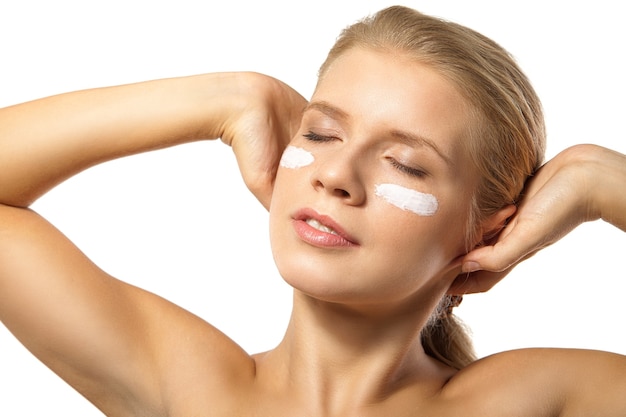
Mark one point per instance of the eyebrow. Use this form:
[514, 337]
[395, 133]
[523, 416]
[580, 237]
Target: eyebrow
[408, 138]
[328, 109]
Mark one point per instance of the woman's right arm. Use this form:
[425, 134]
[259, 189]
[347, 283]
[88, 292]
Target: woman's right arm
[45, 141]
[128, 351]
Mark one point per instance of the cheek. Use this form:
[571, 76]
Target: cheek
[294, 157]
[404, 198]
[429, 229]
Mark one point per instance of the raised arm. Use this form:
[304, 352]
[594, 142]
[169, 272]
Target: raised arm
[44, 142]
[582, 183]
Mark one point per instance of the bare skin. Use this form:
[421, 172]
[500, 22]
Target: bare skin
[133, 353]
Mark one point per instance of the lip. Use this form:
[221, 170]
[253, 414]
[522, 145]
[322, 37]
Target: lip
[320, 238]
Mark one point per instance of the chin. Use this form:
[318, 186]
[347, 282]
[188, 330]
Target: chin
[353, 289]
[317, 285]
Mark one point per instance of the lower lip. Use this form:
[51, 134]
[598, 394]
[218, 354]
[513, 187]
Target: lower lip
[318, 238]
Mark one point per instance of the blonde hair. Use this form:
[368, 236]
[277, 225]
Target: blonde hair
[506, 142]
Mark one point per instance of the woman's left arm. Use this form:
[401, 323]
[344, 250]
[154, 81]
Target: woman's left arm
[582, 183]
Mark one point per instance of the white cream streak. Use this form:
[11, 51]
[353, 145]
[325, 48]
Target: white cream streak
[295, 157]
[407, 199]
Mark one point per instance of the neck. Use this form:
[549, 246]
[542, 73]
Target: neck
[340, 358]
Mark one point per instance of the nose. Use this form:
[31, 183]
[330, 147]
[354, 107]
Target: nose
[338, 175]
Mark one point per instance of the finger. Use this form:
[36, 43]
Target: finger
[477, 282]
[482, 280]
[515, 243]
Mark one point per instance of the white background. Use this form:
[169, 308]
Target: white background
[180, 223]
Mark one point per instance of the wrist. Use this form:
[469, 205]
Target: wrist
[610, 187]
[604, 173]
[218, 100]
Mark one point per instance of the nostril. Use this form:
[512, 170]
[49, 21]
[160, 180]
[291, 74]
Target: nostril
[340, 192]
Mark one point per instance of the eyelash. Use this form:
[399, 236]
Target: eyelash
[314, 137]
[407, 170]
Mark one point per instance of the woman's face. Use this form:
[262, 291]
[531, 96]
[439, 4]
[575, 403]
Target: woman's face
[372, 197]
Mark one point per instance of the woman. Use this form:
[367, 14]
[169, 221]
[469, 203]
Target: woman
[372, 216]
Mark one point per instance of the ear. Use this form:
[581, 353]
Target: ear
[494, 224]
[482, 281]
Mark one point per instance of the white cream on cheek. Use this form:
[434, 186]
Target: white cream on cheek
[295, 157]
[407, 199]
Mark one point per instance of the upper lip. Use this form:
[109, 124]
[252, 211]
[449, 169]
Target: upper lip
[308, 213]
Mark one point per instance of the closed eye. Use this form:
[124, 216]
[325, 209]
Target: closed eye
[415, 172]
[312, 136]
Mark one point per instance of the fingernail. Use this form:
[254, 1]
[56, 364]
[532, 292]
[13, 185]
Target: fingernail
[470, 266]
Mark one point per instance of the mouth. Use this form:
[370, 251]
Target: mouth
[319, 226]
[321, 230]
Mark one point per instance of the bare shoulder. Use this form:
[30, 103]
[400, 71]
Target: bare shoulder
[545, 382]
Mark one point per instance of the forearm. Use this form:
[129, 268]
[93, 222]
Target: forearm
[44, 142]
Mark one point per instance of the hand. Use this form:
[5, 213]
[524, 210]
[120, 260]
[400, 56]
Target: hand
[582, 183]
[261, 129]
